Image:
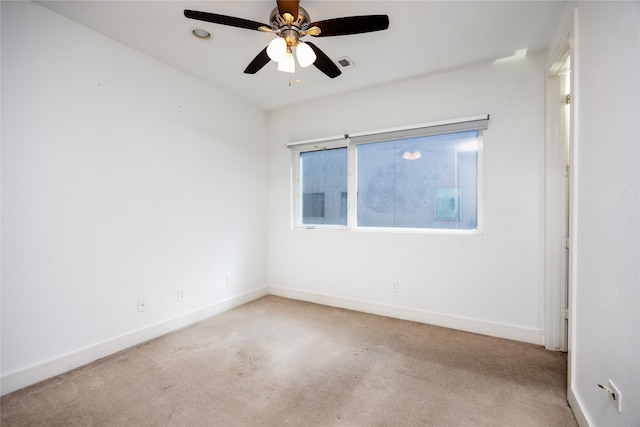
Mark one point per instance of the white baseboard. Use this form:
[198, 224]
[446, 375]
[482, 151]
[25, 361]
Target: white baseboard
[574, 403]
[500, 330]
[60, 365]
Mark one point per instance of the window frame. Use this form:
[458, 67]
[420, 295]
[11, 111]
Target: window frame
[351, 142]
[296, 178]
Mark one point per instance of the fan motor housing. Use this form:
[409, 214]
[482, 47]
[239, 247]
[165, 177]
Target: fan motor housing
[279, 23]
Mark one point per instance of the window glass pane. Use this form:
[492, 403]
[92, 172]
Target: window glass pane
[425, 182]
[324, 186]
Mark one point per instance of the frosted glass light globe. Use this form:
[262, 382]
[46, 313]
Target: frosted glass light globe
[277, 49]
[306, 56]
[288, 63]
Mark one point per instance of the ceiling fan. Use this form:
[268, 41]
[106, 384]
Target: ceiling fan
[290, 22]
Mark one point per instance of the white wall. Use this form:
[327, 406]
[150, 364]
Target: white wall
[606, 338]
[491, 282]
[122, 178]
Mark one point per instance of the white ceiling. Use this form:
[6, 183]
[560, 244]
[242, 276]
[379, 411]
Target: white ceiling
[423, 37]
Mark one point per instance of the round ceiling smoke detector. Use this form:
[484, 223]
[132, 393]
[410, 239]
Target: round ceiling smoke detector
[200, 33]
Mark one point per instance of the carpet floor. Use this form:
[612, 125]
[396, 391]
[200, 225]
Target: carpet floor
[279, 362]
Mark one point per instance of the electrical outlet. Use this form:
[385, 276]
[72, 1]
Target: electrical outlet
[228, 281]
[615, 396]
[395, 287]
[142, 305]
[180, 294]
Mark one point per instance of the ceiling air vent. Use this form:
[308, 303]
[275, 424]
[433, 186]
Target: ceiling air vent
[345, 62]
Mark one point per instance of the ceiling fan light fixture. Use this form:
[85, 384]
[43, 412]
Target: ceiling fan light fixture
[277, 49]
[306, 56]
[288, 21]
[288, 63]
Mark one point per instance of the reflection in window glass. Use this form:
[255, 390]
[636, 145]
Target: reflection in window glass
[313, 205]
[425, 182]
[324, 186]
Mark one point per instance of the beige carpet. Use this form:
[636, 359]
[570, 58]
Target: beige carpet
[278, 362]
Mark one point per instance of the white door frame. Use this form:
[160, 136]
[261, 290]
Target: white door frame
[557, 171]
[566, 46]
[558, 193]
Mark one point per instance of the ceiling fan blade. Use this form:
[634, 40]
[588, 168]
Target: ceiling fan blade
[258, 62]
[288, 6]
[224, 20]
[324, 63]
[351, 25]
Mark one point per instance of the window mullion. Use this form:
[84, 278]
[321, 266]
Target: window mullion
[352, 187]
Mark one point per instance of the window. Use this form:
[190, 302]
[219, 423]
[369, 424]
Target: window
[324, 186]
[418, 178]
[425, 182]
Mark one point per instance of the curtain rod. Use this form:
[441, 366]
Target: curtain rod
[394, 129]
[319, 140]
